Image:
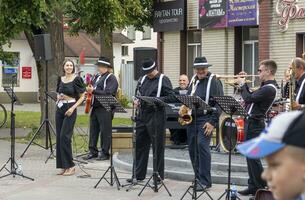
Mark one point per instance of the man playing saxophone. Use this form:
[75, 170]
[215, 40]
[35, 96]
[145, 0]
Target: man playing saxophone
[298, 67]
[204, 85]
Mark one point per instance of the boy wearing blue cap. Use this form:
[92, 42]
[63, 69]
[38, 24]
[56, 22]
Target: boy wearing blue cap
[282, 144]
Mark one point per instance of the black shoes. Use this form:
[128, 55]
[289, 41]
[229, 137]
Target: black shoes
[90, 156]
[130, 180]
[247, 192]
[200, 187]
[103, 156]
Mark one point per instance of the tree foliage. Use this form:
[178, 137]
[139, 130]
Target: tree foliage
[108, 15]
[18, 16]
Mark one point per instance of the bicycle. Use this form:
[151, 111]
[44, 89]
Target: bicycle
[3, 115]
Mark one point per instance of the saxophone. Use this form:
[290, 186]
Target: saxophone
[185, 113]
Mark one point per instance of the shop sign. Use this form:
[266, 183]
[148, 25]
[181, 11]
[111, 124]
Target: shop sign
[212, 13]
[169, 16]
[288, 10]
[26, 72]
[242, 13]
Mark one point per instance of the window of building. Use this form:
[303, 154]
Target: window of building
[193, 49]
[147, 33]
[131, 32]
[250, 52]
[124, 50]
[10, 69]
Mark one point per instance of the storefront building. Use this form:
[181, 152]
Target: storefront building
[233, 35]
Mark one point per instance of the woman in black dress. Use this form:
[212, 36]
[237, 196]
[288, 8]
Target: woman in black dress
[70, 89]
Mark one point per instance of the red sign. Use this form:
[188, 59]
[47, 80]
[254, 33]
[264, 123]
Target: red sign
[26, 72]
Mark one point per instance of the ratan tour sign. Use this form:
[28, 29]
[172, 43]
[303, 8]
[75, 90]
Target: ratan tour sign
[169, 16]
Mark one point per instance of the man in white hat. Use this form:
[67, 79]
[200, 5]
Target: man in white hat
[204, 85]
[104, 83]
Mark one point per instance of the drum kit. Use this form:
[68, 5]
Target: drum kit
[238, 123]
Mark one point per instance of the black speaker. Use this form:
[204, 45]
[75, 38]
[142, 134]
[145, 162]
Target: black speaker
[139, 54]
[42, 47]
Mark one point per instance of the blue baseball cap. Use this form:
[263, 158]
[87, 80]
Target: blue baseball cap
[285, 129]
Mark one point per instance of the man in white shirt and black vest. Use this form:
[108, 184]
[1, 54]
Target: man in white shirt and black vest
[205, 85]
[152, 84]
[258, 103]
[104, 83]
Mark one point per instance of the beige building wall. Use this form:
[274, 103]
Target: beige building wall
[171, 57]
[283, 44]
[192, 13]
[218, 48]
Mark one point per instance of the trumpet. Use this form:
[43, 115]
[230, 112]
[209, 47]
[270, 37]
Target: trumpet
[234, 76]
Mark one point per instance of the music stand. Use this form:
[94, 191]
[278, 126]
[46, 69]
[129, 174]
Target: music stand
[111, 105]
[134, 181]
[155, 102]
[231, 107]
[46, 122]
[14, 165]
[195, 103]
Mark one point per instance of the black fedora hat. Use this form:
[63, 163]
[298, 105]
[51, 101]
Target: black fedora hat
[148, 65]
[103, 61]
[201, 62]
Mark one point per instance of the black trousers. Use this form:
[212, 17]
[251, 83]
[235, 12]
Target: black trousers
[178, 136]
[64, 131]
[203, 164]
[100, 126]
[149, 131]
[253, 128]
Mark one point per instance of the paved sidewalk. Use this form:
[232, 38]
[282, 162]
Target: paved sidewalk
[49, 186]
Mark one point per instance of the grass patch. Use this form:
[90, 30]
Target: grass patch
[32, 120]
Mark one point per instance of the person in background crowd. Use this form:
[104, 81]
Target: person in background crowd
[179, 136]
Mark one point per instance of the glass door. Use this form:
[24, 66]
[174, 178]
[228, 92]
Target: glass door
[250, 60]
[194, 50]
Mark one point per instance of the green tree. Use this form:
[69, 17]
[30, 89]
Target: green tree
[95, 17]
[104, 16]
[34, 17]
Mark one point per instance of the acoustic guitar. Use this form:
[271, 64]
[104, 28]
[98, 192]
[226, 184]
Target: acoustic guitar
[89, 95]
